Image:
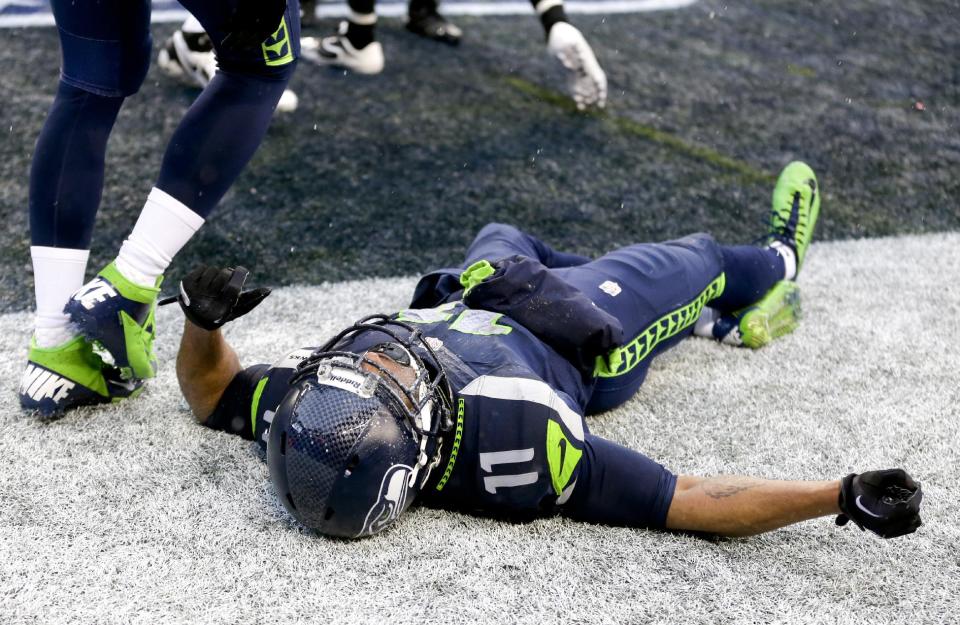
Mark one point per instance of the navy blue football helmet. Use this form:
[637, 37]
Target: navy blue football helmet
[352, 443]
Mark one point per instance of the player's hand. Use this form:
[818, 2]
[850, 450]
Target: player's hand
[885, 502]
[586, 79]
[251, 22]
[211, 296]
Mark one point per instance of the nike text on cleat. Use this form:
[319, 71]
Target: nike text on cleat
[586, 79]
[337, 51]
[430, 24]
[118, 315]
[777, 314]
[60, 378]
[796, 206]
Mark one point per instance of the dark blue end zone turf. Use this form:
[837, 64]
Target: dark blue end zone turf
[393, 174]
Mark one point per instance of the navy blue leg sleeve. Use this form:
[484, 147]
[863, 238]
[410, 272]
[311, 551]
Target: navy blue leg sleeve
[106, 44]
[66, 174]
[751, 272]
[496, 241]
[620, 486]
[218, 136]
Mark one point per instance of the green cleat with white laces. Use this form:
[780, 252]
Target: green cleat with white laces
[796, 206]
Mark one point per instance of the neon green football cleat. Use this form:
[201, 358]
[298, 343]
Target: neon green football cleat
[796, 206]
[118, 315]
[68, 376]
[776, 314]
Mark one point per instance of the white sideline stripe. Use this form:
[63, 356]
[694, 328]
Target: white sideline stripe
[398, 9]
[525, 389]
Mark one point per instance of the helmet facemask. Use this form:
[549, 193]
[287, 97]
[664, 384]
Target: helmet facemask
[407, 381]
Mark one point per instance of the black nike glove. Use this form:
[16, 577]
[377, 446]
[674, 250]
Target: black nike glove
[210, 296]
[885, 502]
[251, 22]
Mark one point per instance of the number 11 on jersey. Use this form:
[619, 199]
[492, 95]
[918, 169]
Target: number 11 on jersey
[492, 482]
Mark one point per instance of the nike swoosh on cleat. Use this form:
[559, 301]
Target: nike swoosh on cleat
[562, 444]
[860, 505]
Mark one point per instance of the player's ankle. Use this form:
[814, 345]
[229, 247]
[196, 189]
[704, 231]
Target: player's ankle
[134, 272]
[52, 336]
[550, 12]
[360, 29]
[163, 228]
[789, 257]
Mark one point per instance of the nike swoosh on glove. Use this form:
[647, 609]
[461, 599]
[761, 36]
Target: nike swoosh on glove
[885, 502]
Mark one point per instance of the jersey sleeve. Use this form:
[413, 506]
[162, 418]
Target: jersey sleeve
[517, 449]
[232, 414]
[620, 486]
[249, 403]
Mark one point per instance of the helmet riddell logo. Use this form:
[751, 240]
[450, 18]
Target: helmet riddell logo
[391, 501]
[347, 379]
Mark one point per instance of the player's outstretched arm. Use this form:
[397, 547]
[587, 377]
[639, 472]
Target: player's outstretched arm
[206, 364]
[743, 506]
[884, 502]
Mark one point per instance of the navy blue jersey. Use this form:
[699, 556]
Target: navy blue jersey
[519, 429]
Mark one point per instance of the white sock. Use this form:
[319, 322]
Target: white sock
[57, 274]
[165, 225]
[192, 26]
[704, 325]
[789, 259]
[362, 19]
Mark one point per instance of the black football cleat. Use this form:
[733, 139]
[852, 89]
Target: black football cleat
[430, 24]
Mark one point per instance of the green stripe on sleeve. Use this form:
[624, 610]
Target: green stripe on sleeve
[255, 403]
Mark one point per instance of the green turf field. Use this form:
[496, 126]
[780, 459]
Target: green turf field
[391, 175]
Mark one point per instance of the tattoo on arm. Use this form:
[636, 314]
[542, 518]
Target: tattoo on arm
[723, 487]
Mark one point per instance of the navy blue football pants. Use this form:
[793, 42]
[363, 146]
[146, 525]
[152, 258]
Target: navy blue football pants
[106, 48]
[657, 292]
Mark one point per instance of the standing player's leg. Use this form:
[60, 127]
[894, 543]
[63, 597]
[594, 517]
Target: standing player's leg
[586, 80]
[424, 19]
[354, 46]
[209, 148]
[106, 51]
[188, 56]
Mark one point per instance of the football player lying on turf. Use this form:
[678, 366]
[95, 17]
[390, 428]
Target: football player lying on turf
[474, 398]
[106, 49]
[354, 46]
